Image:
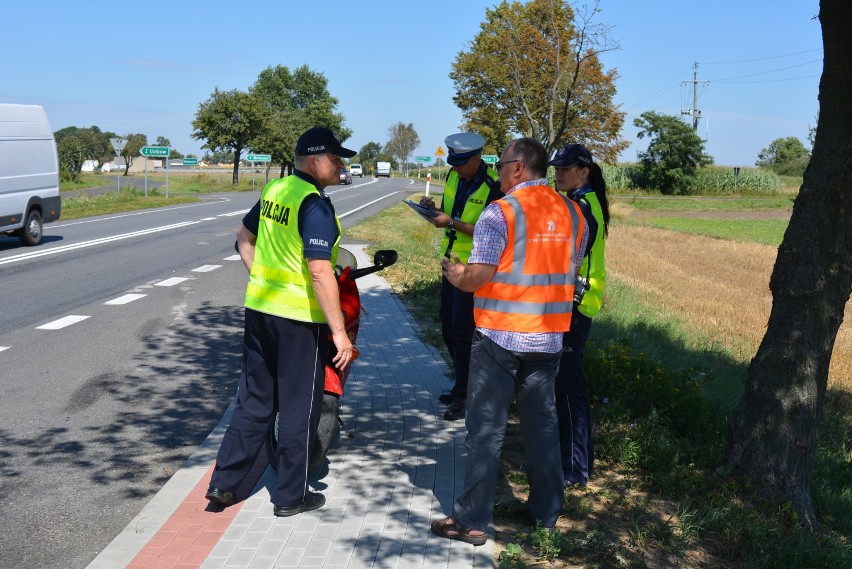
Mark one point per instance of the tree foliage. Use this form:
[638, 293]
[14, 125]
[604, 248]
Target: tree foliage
[296, 102]
[230, 121]
[132, 149]
[674, 153]
[88, 144]
[402, 140]
[534, 69]
[775, 428]
[784, 155]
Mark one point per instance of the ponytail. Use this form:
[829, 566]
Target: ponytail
[596, 180]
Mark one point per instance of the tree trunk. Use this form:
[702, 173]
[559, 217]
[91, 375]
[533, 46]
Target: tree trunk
[236, 178]
[773, 433]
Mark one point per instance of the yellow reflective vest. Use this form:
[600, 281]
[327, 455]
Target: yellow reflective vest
[463, 245]
[593, 267]
[280, 283]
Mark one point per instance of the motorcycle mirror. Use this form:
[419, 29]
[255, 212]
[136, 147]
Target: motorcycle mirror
[385, 257]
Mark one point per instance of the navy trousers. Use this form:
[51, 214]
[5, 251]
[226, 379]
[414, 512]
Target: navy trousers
[282, 370]
[572, 404]
[457, 328]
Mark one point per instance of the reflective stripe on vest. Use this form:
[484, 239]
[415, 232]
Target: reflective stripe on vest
[533, 287]
[476, 202]
[280, 283]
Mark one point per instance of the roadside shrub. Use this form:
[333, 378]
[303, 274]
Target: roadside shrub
[708, 180]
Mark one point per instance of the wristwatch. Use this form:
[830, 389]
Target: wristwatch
[450, 224]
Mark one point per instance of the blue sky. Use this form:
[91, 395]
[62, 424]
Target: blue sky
[145, 67]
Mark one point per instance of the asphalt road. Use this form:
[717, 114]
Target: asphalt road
[120, 345]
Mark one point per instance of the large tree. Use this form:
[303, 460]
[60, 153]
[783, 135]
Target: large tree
[230, 121]
[297, 101]
[783, 155]
[774, 430]
[674, 152]
[402, 140]
[533, 69]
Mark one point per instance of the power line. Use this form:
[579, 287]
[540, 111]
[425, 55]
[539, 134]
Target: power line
[761, 58]
[765, 72]
[767, 80]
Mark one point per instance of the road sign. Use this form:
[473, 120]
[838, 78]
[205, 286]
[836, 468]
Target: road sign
[440, 151]
[423, 159]
[190, 161]
[117, 144]
[258, 157]
[490, 158]
[158, 151]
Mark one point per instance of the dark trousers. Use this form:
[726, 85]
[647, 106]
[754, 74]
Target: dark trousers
[457, 328]
[496, 376]
[572, 403]
[283, 370]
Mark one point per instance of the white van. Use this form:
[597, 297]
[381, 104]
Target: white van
[383, 169]
[29, 172]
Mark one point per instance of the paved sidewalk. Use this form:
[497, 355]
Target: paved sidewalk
[403, 467]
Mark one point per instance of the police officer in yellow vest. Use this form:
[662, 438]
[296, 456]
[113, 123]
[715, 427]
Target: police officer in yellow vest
[471, 185]
[291, 306]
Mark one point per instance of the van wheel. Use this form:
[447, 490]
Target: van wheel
[31, 231]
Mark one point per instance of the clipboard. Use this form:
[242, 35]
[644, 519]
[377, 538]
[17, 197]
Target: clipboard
[424, 212]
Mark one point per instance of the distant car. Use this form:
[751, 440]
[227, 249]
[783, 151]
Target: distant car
[345, 176]
[356, 170]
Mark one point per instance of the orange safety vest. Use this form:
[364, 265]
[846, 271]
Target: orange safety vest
[532, 289]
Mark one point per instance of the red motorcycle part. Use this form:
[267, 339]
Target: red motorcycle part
[350, 304]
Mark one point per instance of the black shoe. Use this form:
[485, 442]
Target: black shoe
[312, 501]
[572, 484]
[455, 412]
[445, 398]
[220, 496]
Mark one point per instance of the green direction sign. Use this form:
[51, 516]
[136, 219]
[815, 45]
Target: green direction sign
[423, 159]
[158, 151]
[258, 157]
[489, 158]
[190, 161]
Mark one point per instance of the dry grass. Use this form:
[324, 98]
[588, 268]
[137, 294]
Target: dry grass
[720, 287]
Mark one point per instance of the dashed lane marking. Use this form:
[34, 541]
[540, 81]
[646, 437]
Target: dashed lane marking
[125, 299]
[232, 258]
[62, 322]
[172, 281]
[206, 268]
[3, 348]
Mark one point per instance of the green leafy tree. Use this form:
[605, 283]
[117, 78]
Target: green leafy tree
[173, 152]
[775, 429]
[297, 101]
[784, 155]
[367, 155]
[72, 152]
[94, 144]
[132, 149]
[534, 69]
[230, 121]
[674, 153]
[402, 142]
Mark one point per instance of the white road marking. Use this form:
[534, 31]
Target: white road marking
[172, 281]
[207, 218]
[84, 244]
[62, 322]
[125, 299]
[233, 213]
[147, 212]
[232, 258]
[341, 216]
[3, 348]
[206, 268]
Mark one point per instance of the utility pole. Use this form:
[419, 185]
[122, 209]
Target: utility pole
[696, 114]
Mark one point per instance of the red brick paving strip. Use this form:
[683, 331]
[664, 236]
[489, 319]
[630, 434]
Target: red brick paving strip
[188, 536]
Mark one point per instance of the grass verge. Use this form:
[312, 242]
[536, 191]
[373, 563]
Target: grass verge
[114, 202]
[661, 392]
